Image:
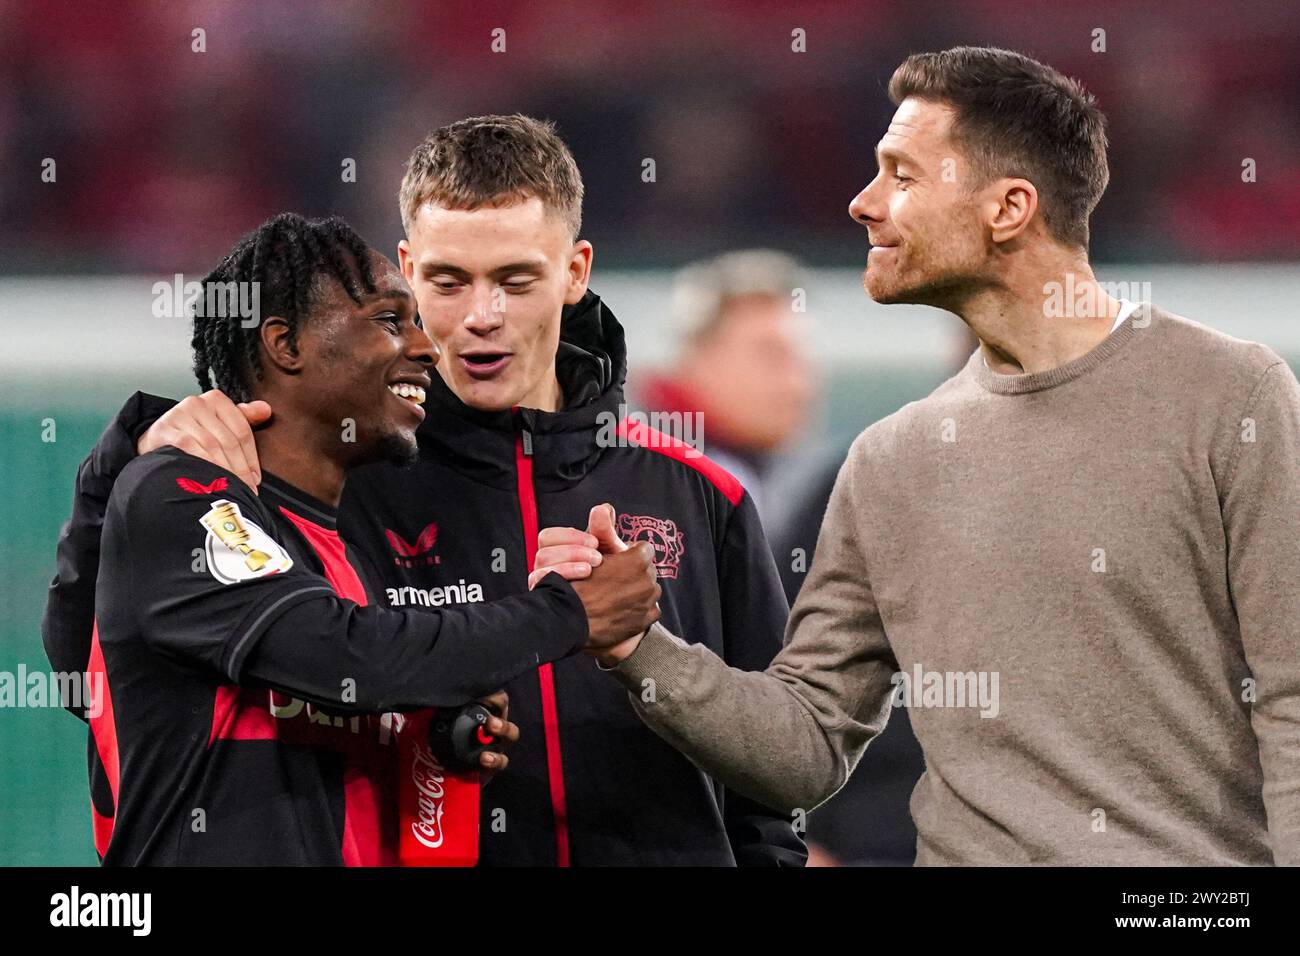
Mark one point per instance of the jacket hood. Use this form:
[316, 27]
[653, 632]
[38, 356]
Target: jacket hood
[591, 364]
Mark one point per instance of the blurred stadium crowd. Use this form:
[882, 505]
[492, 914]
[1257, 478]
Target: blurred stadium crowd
[749, 138]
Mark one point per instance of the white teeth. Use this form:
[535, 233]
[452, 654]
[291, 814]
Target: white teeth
[404, 390]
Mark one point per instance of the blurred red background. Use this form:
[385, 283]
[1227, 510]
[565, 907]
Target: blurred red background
[164, 155]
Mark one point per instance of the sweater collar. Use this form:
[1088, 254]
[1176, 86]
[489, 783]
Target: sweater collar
[991, 381]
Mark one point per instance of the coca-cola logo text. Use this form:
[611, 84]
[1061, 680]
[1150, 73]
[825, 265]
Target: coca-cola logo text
[428, 778]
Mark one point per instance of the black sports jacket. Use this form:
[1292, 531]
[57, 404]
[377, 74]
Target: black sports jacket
[249, 683]
[588, 783]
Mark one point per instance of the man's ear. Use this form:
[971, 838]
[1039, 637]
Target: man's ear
[579, 271]
[405, 262]
[1012, 207]
[277, 342]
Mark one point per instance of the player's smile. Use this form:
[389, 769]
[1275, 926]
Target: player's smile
[410, 391]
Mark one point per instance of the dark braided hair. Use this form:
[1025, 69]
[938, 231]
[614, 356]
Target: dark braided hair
[284, 256]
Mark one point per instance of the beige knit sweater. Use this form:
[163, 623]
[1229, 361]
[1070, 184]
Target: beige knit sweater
[1091, 579]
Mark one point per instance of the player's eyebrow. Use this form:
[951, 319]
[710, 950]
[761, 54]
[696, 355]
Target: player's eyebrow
[447, 268]
[897, 155]
[380, 295]
[437, 268]
[533, 265]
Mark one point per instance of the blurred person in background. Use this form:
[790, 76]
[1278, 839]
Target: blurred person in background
[742, 361]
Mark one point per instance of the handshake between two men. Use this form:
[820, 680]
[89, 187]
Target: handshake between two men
[616, 581]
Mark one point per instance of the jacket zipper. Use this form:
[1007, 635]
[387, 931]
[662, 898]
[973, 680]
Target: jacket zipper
[550, 713]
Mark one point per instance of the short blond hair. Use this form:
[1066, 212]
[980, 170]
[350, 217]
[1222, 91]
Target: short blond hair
[493, 160]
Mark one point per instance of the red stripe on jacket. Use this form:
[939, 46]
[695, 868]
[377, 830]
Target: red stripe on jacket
[678, 450]
[103, 728]
[545, 675]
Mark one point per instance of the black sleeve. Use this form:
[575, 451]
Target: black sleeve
[213, 586]
[70, 603]
[754, 613]
[393, 659]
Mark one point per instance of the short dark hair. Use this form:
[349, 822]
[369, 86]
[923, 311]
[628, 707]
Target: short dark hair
[483, 160]
[1017, 117]
[284, 255]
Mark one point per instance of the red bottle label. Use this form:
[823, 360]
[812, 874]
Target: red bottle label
[438, 810]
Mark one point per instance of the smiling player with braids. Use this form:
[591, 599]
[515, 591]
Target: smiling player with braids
[248, 673]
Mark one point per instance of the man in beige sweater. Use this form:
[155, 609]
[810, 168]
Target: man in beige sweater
[1078, 560]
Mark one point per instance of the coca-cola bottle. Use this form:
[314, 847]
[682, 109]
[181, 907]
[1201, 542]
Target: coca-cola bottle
[438, 809]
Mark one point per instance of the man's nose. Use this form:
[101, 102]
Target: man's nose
[421, 348]
[864, 208]
[487, 311]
